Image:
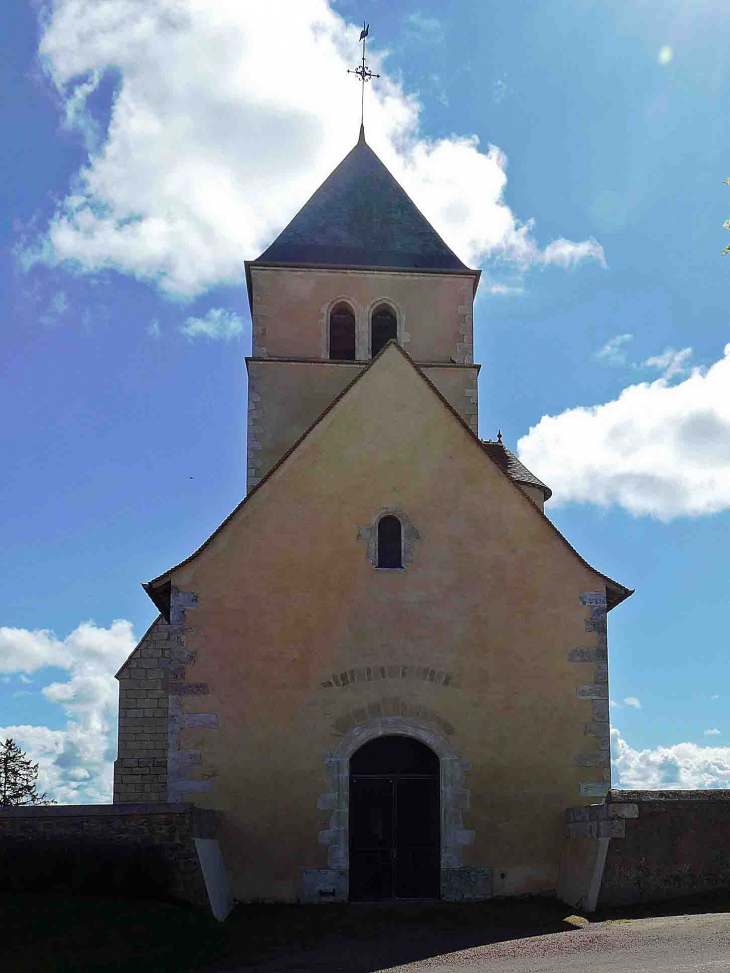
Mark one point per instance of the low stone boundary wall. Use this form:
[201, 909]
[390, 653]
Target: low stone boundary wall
[645, 846]
[178, 841]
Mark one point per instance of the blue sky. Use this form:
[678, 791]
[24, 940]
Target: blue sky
[576, 151]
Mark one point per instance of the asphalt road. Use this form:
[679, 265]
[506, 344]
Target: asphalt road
[680, 944]
[675, 944]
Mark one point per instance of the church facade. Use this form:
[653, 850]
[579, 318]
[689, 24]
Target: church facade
[387, 669]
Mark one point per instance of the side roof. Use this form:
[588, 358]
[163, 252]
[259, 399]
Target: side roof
[361, 217]
[159, 589]
[513, 467]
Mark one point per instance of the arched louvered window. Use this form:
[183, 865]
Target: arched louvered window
[342, 333]
[390, 543]
[383, 327]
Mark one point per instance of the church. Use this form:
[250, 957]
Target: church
[386, 669]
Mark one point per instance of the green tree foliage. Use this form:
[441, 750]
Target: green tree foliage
[18, 777]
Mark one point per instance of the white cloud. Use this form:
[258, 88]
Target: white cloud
[76, 115]
[499, 91]
[214, 142]
[658, 449]
[566, 253]
[665, 55]
[505, 290]
[670, 362]
[218, 325]
[612, 704]
[75, 764]
[57, 307]
[153, 330]
[712, 733]
[683, 765]
[423, 27]
[632, 701]
[613, 352]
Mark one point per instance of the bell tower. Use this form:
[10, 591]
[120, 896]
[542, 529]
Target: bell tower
[359, 265]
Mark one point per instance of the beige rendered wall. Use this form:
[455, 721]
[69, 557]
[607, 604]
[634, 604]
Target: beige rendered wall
[290, 310]
[287, 602]
[286, 397]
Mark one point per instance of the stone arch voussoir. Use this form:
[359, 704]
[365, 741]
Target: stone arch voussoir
[454, 799]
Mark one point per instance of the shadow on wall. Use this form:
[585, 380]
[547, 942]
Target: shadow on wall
[84, 868]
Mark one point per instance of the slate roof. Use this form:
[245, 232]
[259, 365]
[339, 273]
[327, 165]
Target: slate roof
[361, 217]
[511, 465]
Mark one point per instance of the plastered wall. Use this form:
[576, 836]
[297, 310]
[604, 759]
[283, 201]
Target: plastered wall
[290, 310]
[286, 397]
[492, 640]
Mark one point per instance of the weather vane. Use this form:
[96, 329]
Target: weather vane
[363, 72]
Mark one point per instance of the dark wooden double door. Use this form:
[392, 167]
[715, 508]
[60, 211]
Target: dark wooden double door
[395, 846]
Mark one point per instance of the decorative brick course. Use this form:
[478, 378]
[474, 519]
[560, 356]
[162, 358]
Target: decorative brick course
[391, 670]
[390, 706]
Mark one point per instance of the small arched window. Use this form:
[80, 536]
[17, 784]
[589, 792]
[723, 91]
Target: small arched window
[383, 327]
[342, 333]
[390, 543]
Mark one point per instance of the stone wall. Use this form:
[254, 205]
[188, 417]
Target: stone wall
[675, 844]
[179, 835]
[645, 846]
[140, 771]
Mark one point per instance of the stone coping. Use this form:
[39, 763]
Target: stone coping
[640, 797]
[100, 810]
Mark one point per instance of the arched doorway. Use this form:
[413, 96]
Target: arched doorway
[395, 835]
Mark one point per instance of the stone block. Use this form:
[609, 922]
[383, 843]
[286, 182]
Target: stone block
[592, 691]
[602, 732]
[592, 788]
[583, 829]
[324, 885]
[624, 810]
[466, 884]
[618, 828]
[587, 654]
[576, 814]
[600, 710]
[590, 758]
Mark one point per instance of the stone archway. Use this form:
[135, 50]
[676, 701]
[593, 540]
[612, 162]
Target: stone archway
[332, 882]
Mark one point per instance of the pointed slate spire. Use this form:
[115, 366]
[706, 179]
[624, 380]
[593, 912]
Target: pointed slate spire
[361, 217]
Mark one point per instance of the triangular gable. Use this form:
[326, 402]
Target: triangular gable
[159, 588]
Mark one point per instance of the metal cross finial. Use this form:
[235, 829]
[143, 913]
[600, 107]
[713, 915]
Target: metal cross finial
[499, 435]
[363, 73]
